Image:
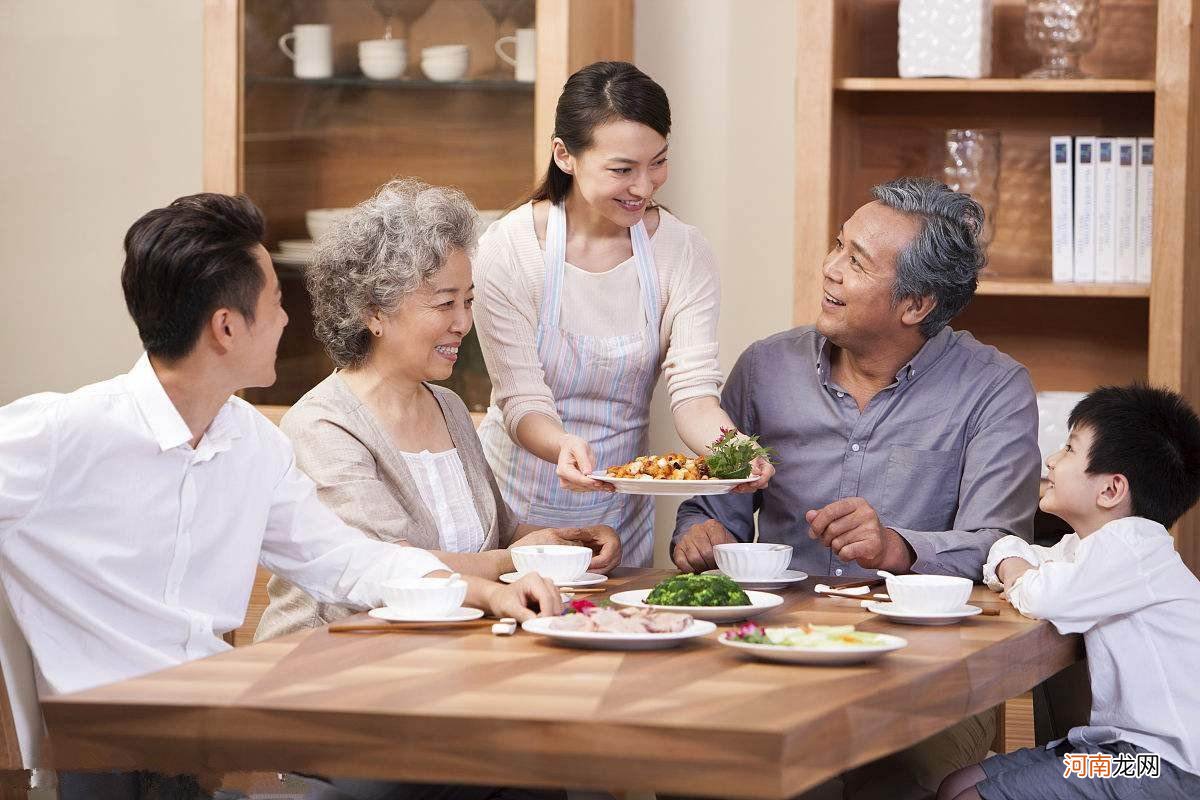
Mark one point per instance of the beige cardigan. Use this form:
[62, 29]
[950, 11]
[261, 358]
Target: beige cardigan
[362, 476]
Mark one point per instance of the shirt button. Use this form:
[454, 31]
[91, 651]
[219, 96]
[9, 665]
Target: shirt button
[855, 448]
[837, 571]
[841, 394]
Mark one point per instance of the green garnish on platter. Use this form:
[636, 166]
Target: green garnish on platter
[697, 590]
[732, 455]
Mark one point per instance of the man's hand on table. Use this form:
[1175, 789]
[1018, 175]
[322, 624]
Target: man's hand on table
[851, 528]
[1009, 570]
[694, 549]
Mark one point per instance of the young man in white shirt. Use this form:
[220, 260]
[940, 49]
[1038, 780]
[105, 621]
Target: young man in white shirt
[1130, 468]
[133, 512]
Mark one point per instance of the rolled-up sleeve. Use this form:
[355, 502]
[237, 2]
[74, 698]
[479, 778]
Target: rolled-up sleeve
[308, 544]
[734, 511]
[691, 368]
[506, 318]
[999, 487]
[1103, 581]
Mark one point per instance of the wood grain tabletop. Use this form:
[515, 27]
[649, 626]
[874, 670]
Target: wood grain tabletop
[461, 705]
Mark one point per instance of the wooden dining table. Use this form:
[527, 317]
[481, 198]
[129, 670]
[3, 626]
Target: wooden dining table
[461, 705]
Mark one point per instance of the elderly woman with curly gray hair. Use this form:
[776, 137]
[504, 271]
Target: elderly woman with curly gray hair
[391, 453]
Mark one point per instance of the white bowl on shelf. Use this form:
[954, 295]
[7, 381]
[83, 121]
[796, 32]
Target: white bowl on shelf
[319, 220]
[382, 69]
[444, 70]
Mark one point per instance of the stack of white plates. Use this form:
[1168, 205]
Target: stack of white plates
[446, 62]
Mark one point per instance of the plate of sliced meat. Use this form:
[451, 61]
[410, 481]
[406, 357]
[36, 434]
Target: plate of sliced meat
[604, 628]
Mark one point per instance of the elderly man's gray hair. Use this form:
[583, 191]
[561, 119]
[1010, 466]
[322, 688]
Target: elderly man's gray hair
[944, 259]
[385, 248]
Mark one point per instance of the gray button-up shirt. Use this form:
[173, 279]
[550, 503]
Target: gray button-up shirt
[947, 455]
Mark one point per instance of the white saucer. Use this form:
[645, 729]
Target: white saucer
[392, 614]
[780, 581]
[588, 579]
[913, 617]
[760, 602]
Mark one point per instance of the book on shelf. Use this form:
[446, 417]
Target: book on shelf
[1145, 207]
[1106, 211]
[1085, 209]
[1062, 214]
[1125, 196]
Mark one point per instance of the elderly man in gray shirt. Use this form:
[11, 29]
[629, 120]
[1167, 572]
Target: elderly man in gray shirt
[902, 444]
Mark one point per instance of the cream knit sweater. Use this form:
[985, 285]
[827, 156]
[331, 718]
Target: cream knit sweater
[510, 275]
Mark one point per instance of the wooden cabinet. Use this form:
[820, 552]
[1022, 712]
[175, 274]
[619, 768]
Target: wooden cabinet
[295, 144]
[859, 124]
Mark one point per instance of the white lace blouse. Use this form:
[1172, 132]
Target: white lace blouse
[442, 482]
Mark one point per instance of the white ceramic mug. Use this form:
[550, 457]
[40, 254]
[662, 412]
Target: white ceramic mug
[525, 42]
[313, 53]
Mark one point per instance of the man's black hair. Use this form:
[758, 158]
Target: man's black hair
[1152, 437]
[187, 260]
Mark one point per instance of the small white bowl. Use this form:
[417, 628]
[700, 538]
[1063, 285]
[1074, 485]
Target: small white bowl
[558, 562]
[319, 220]
[929, 593]
[382, 70]
[753, 561]
[435, 597]
[442, 71]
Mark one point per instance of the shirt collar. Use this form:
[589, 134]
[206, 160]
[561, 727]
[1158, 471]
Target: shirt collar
[930, 352]
[166, 425]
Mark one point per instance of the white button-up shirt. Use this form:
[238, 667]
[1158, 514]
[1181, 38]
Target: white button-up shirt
[1129, 593]
[123, 550]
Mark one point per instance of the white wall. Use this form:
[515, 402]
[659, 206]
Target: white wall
[730, 76]
[102, 104]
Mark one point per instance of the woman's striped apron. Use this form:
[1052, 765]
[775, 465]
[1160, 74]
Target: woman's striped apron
[601, 387]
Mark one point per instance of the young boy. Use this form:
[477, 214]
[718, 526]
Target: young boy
[1130, 467]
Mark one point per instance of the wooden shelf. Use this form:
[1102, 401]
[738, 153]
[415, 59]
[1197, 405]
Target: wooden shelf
[496, 84]
[1086, 86]
[1043, 288]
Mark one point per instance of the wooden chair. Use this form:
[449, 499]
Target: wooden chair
[21, 727]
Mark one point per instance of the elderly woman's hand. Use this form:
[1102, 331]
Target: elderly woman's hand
[531, 596]
[575, 462]
[603, 541]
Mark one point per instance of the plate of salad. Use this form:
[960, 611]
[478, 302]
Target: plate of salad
[811, 644]
[709, 597]
[729, 463]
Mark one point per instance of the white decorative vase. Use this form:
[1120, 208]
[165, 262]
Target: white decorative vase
[945, 38]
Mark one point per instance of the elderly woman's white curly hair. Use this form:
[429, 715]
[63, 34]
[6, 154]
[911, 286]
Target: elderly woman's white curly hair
[387, 247]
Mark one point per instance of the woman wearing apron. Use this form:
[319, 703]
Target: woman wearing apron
[584, 293]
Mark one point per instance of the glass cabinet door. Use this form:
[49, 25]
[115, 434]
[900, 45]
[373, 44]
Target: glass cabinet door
[319, 133]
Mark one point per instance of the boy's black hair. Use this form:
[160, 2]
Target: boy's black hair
[1152, 437]
[185, 261]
